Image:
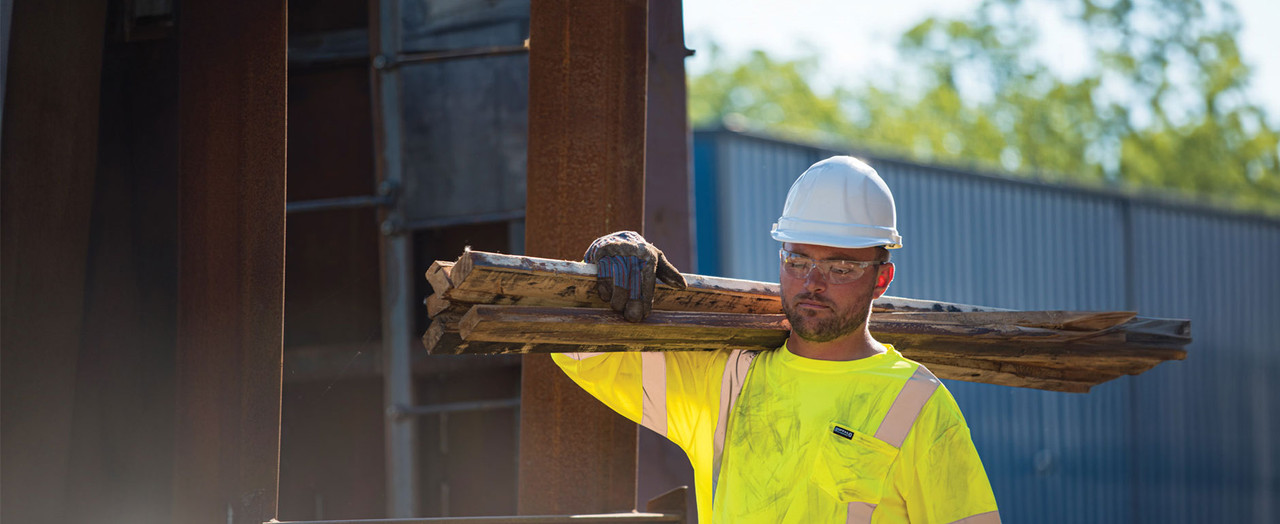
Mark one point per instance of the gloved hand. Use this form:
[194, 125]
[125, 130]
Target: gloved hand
[627, 268]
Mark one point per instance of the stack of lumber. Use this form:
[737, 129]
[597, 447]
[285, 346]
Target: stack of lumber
[488, 303]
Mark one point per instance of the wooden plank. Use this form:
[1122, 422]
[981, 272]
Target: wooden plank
[438, 275]
[492, 278]
[480, 277]
[435, 341]
[551, 306]
[1107, 351]
[993, 374]
[1027, 341]
[668, 330]
[440, 341]
[674, 330]
[971, 370]
[1019, 369]
[508, 329]
[1055, 320]
[514, 333]
[1157, 331]
[437, 305]
[528, 325]
[976, 330]
[886, 304]
[1094, 320]
[1104, 358]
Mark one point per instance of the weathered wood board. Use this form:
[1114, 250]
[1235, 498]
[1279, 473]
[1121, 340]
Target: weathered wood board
[1057, 320]
[489, 303]
[1006, 374]
[479, 277]
[516, 329]
[669, 330]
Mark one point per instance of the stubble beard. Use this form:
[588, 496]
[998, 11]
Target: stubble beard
[825, 329]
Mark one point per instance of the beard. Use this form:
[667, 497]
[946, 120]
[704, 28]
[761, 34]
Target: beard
[815, 328]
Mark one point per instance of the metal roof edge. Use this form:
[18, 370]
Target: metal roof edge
[1147, 197]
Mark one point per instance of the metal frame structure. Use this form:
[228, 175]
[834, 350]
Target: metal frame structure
[224, 374]
[622, 49]
[396, 248]
[386, 59]
[397, 262]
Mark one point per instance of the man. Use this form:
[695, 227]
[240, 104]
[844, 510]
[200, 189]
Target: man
[831, 427]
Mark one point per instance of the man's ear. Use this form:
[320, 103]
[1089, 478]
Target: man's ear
[884, 276]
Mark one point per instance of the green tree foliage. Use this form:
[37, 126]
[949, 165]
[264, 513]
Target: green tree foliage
[1164, 107]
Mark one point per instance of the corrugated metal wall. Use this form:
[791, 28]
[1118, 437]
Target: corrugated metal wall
[1190, 441]
[1211, 425]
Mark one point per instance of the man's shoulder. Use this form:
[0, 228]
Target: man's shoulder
[941, 415]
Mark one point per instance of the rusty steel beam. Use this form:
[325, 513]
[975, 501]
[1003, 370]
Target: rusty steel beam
[47, 165]
[122, 433]
[232, 73]
[587, 82]
[667, 208]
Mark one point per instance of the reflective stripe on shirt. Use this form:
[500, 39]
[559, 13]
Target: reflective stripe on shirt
[653, 379]
[990, 517]
[897, 424]
[860, 512]
[731, 381]
[902, 415]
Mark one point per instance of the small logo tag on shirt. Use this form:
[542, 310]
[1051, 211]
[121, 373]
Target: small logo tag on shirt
[842, 432]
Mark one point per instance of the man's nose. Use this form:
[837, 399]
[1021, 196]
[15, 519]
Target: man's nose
[815, 281]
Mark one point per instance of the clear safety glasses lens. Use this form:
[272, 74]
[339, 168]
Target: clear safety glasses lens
[832, 271]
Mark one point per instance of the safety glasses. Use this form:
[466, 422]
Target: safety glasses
[833, 271]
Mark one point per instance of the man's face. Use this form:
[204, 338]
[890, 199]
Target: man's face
[822, 312]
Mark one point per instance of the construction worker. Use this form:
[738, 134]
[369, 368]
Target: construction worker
[831, 427]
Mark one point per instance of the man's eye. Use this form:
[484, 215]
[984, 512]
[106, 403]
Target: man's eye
[841, 270]
[796, 264]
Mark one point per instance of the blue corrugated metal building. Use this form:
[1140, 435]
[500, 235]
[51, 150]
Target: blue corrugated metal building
[1192, 441]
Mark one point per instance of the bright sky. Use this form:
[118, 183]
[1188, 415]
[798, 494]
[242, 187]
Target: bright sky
[856, 37]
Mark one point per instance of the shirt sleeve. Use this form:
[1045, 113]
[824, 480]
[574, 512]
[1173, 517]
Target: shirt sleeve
[950, 483]
[613, 378]
[940, 476]
[668, 392]
[690, 398]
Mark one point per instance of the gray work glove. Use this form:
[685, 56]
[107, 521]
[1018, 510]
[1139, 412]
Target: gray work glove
[627, 268]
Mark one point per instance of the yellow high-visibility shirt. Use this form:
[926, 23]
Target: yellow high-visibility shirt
[800, 444]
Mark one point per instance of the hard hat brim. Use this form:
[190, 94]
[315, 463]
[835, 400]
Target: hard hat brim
[841, 239]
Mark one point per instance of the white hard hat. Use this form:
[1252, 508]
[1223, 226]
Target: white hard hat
[839, 202]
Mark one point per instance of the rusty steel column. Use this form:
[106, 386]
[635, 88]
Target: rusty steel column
[47, 171]
[232, 77]
[667, 209]
[587, 74]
